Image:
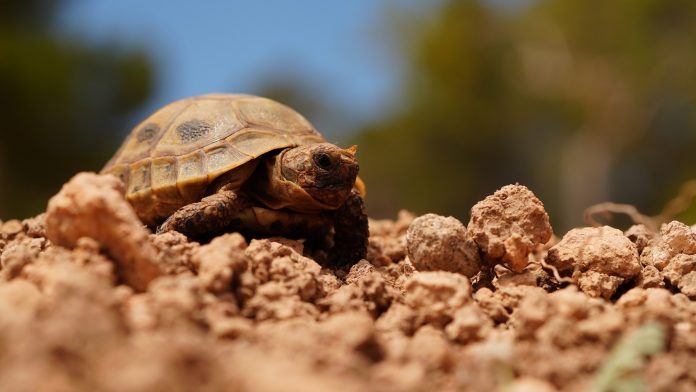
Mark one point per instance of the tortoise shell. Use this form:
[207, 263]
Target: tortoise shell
[170, 158]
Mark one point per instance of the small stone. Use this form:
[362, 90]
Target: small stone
[441, 243]
[597, 284]
[599, 257]
[687, 285]
[650, 277]
[508, 225]
[679, 237]
[679, 265]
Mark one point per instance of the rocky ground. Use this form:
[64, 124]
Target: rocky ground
[90, 300]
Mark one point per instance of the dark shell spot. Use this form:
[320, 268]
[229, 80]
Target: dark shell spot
[192, 130]
[147, 133]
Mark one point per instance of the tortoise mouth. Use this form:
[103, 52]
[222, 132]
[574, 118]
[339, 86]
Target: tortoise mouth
[332, 196]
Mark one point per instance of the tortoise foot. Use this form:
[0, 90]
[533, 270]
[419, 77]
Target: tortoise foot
[351, 232]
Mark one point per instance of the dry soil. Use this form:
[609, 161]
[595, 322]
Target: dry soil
[91, 300]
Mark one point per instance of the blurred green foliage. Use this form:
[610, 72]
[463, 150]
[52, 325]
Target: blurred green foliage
[581, 100]
[62, 104]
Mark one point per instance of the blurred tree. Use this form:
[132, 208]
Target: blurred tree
[583, 101]
[456, 136]
[62, 104]
[629, 72]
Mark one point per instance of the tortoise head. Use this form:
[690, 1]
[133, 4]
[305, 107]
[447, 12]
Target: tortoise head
[324, 171]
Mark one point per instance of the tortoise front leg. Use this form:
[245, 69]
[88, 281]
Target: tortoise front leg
[227, 209]
[212, 214]
[351, 232]
[347, 246]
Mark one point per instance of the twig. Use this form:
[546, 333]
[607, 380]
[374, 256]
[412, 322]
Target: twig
[617, 208]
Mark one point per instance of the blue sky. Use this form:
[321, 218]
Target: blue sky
[341, 48]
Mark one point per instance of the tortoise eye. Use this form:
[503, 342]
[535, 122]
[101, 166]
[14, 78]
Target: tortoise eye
[323, 161]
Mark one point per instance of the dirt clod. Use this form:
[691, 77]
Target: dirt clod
[508, 225]
[93, 206]
[221, 261]
[673, 254]
[600, 258]
[436, 296]
[441, 243]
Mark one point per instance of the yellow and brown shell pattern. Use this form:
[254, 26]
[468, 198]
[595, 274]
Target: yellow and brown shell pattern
[170, 158]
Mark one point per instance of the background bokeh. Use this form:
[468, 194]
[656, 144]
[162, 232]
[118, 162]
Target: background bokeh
[583, 101]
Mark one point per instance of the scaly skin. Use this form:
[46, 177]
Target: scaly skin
[212, 214]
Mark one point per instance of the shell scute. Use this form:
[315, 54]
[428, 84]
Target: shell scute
[140, 177]
[222, 157]
[164, 174]
[263, 112]
[255, 142]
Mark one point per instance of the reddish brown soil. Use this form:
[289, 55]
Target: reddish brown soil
[89, 300]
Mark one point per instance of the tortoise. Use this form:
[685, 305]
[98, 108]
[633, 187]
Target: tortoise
[222, 162]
